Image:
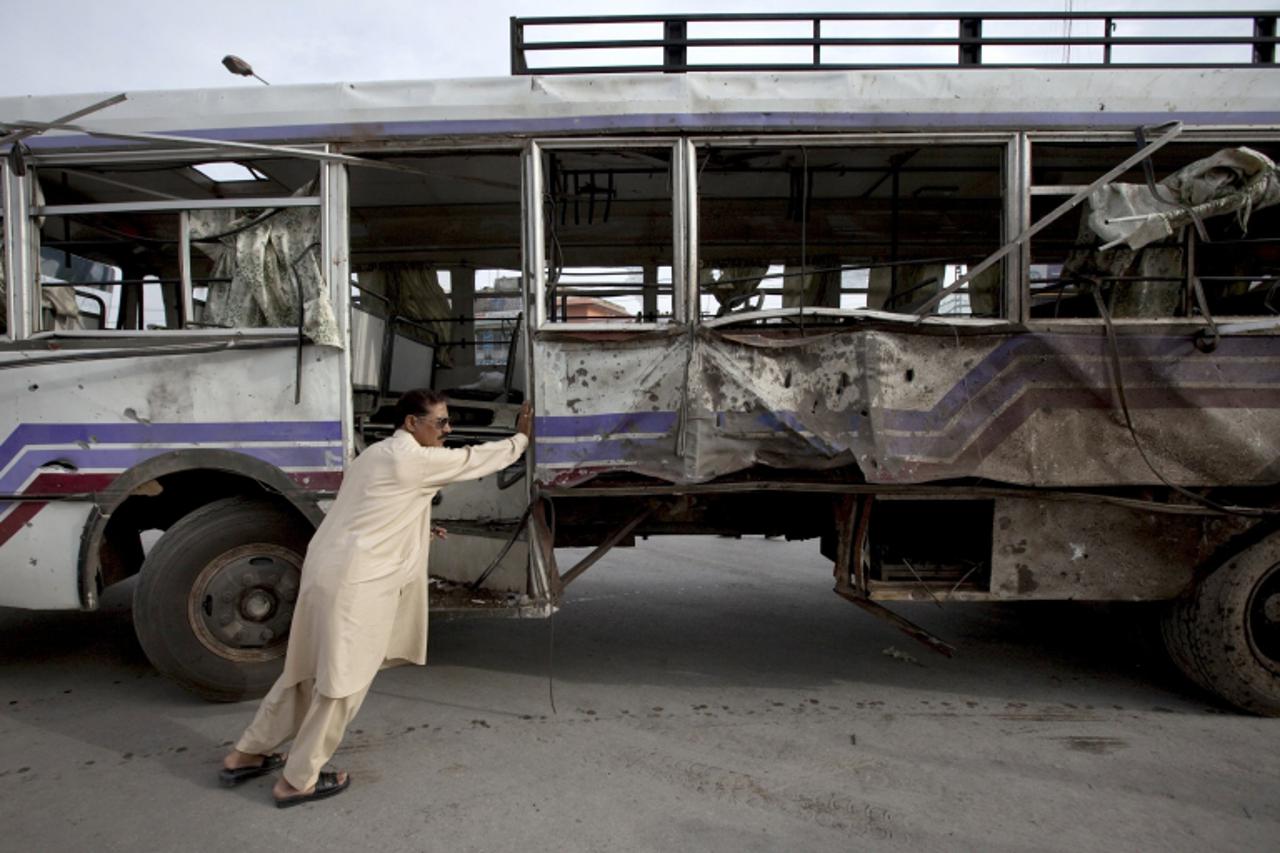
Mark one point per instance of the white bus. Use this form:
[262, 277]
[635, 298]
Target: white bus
[987, 329]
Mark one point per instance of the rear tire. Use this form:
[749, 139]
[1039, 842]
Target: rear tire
[1226, 635]
[215, 597]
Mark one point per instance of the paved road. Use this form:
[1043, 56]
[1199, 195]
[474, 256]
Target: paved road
[710, 694]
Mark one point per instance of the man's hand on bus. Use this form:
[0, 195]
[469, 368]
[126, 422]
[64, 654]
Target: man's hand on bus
[439, 532]
[524, 420]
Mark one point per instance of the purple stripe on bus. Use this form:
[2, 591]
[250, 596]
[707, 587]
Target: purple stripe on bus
[608, 424]
[981, 401]
[123, 459]
[587, 452]
[990, 429]
[169, 433]
[1063, 348]
[997, 426]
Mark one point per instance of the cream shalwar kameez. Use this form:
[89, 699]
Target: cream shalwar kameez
[362, 604]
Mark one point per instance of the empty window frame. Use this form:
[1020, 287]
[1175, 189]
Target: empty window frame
[1142, 252]
[880, 227]
[137, 245]
[610, 241]
[435, 259]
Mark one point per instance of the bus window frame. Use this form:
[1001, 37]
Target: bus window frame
[329, 197]
[19, 256]
[1225, 138]
[1013, 190]
[535, 229]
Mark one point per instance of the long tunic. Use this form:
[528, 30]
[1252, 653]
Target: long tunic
[363, 598]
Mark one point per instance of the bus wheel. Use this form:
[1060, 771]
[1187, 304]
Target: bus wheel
[1226, 635]
[215, 597]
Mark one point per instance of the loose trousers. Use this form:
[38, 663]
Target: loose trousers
[313, 721]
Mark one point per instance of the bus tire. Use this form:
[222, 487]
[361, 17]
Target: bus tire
[1225, 636]
[215, 597]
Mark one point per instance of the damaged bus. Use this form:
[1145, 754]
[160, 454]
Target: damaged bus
[1032, 310]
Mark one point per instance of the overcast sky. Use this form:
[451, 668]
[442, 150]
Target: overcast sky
[58, 46]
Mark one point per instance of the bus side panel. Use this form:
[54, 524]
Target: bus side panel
[608, 405]
[72, 428]
[38, 555]
[1036, 409]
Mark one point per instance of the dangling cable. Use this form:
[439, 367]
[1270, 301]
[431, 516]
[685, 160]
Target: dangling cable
[515, 535]
[1251, 512]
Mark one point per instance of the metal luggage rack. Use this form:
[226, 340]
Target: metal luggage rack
[980, 39]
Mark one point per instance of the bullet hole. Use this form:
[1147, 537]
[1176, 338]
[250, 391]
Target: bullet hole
[911, 374]
[33, 387]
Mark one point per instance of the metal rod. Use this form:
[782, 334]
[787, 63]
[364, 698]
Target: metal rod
[559, 20]
[1053, 216]
[186, 295]
[604, 547]
[962, 41]
[918, 491]
[248, 147]
[906, 626]
[18, 135]
[177, 205]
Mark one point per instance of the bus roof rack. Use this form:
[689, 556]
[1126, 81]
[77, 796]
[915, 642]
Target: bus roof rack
[841, 41]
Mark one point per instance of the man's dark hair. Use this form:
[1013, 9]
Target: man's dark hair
[416, 402]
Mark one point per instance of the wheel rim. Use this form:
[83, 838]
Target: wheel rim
[242, 601]
[1263, 619]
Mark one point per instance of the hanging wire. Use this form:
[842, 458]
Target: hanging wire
[1118, 376]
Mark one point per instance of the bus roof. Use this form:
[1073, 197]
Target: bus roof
[716, 102]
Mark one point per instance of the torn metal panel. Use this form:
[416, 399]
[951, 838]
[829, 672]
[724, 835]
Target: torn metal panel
[609, 403]
[1072, 551]
[1234, 180]
[909, 407]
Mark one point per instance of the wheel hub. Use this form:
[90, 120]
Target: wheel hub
[242, 602]
[1264, 619]
[1271, 608]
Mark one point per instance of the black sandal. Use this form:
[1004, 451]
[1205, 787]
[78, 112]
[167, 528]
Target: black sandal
[326, 786]
[230, 778]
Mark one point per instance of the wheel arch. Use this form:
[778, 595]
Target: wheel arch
[155, 493]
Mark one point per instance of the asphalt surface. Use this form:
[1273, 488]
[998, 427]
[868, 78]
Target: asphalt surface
[710, 694]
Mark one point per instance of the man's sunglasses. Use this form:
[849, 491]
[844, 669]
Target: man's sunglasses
[440, 423]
